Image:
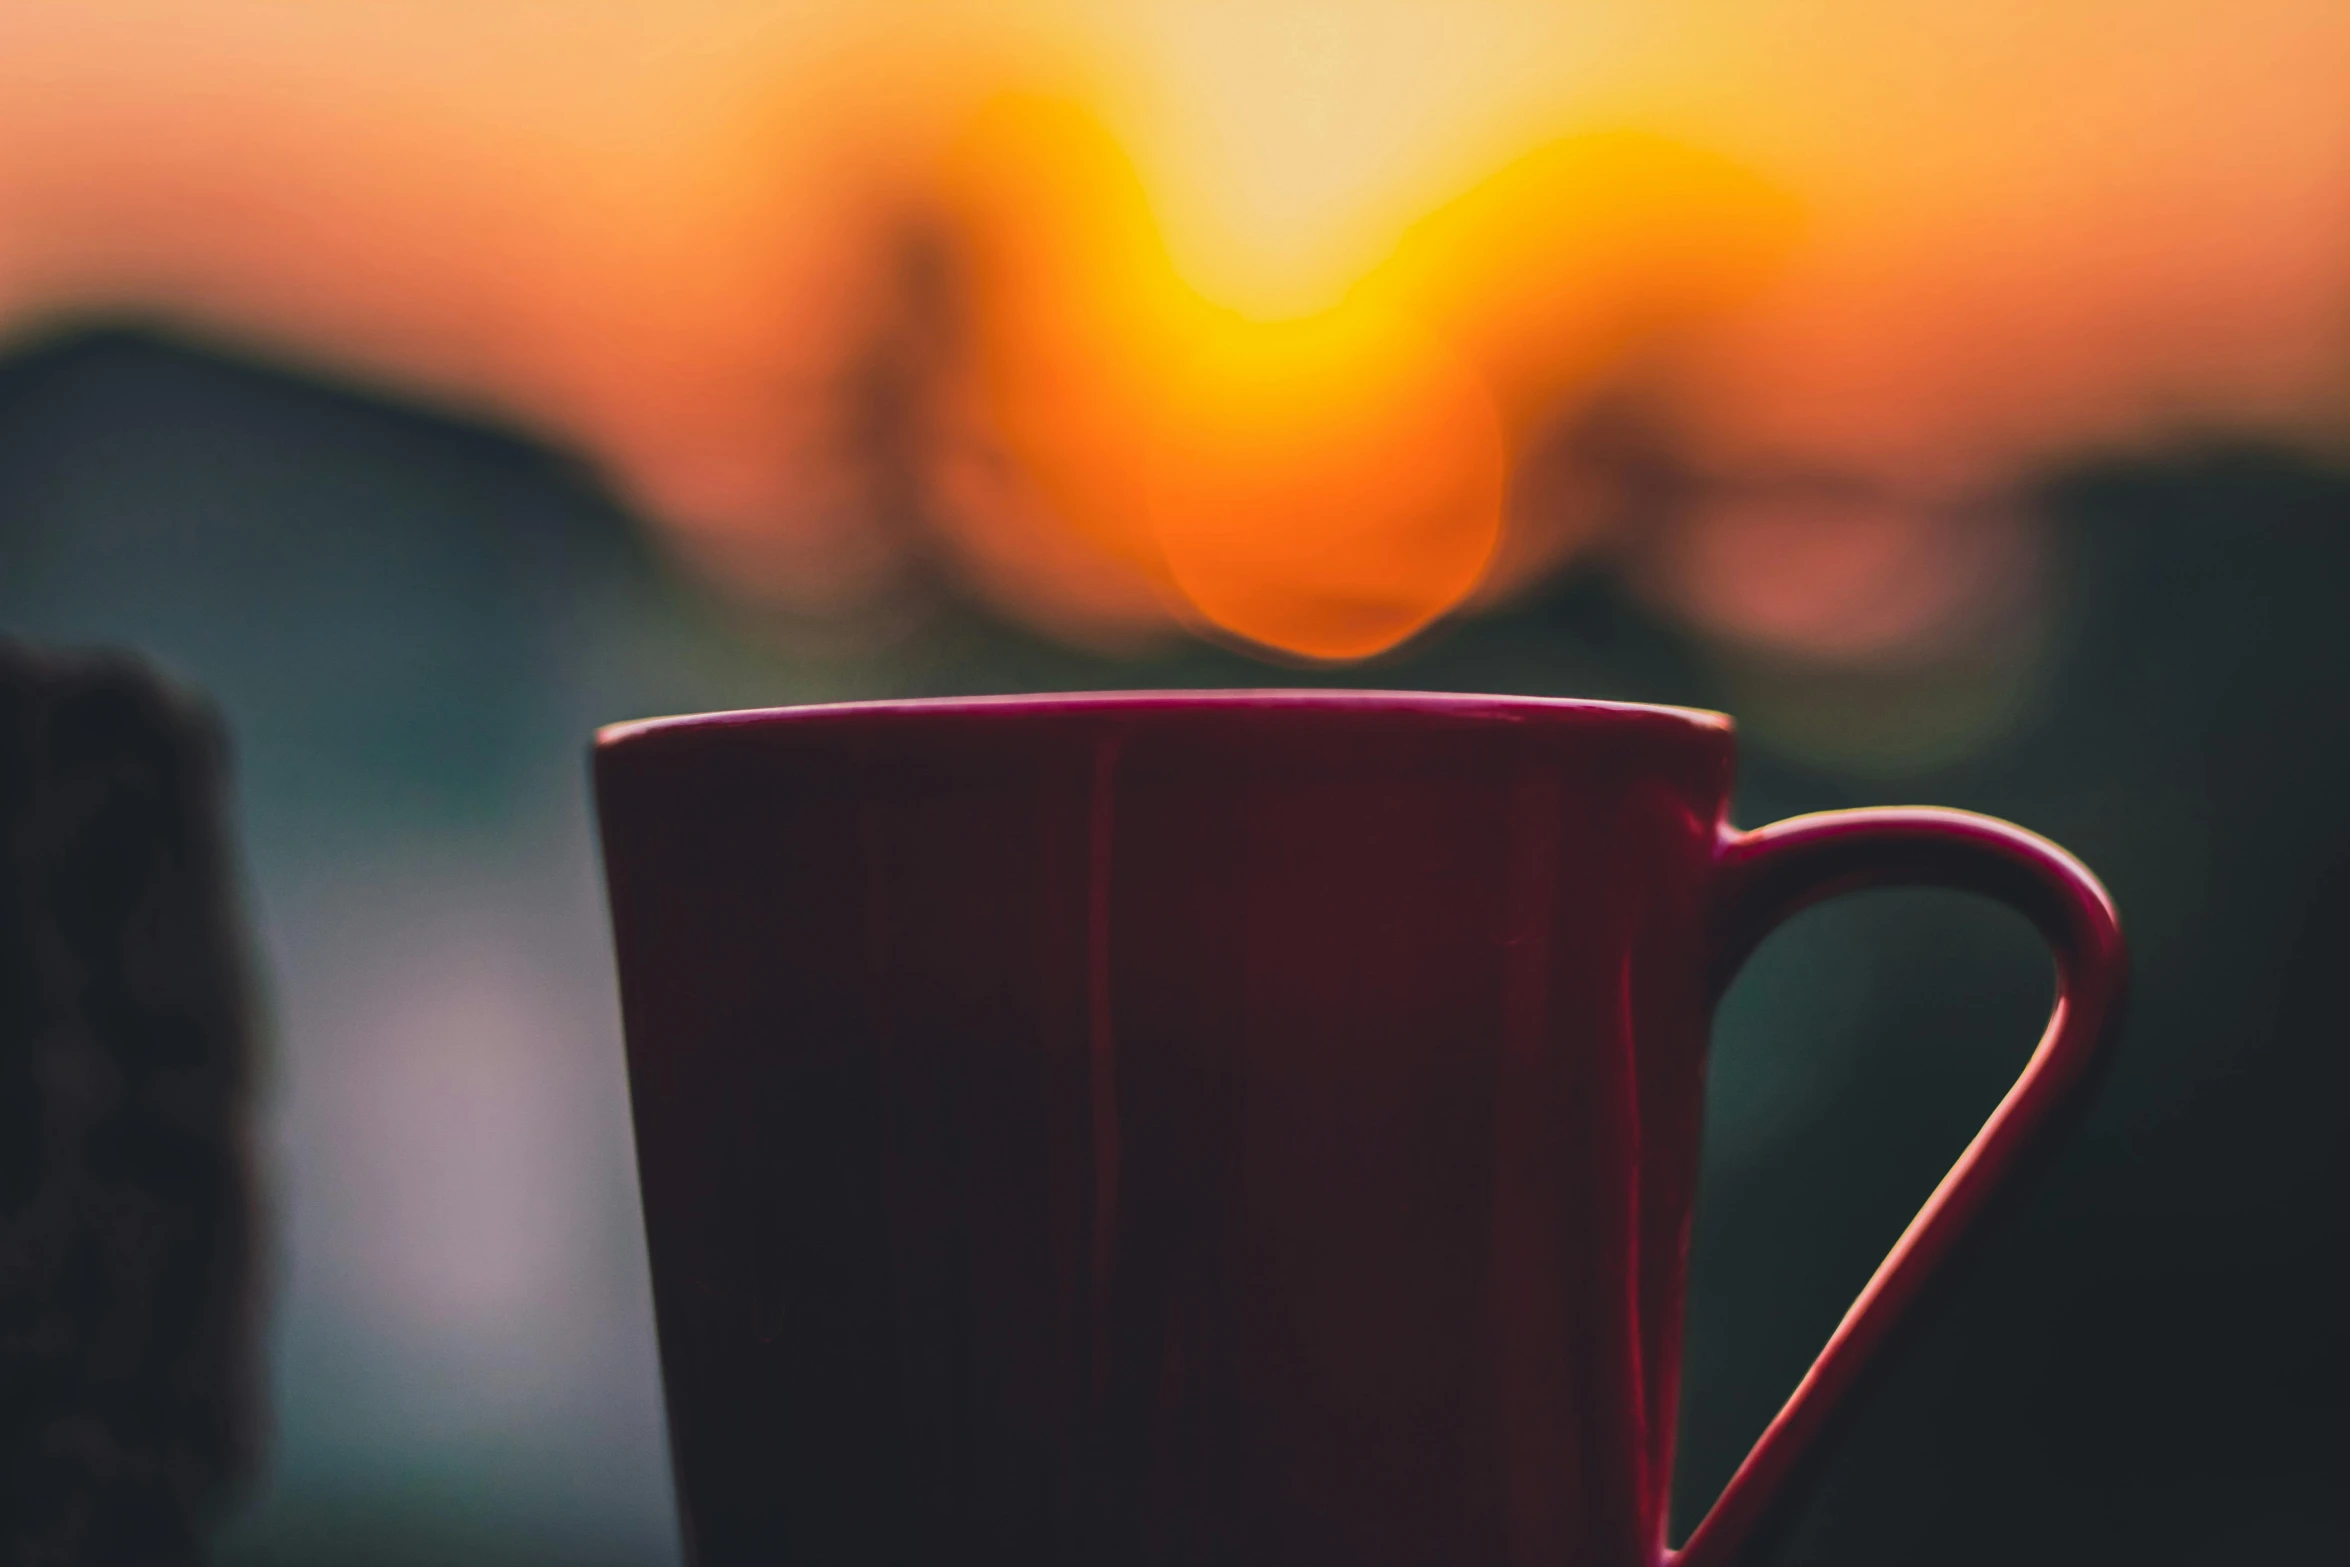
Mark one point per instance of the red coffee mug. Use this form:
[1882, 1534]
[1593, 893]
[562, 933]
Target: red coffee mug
[1252, 1128]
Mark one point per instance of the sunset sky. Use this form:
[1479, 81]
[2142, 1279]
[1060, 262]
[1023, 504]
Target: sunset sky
[1249, 317]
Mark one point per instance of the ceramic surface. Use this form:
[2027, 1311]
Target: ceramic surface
[1253, 1128]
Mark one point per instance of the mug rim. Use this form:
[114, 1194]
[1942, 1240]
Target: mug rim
[1454, 704]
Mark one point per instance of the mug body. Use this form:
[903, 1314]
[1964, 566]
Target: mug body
[1252, 1128]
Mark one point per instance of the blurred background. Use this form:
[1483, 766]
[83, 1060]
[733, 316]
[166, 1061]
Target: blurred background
[1958, 396]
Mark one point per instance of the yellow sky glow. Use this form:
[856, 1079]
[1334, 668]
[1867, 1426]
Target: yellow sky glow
[1930, 242]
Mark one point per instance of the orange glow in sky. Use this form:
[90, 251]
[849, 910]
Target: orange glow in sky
[1255, 317]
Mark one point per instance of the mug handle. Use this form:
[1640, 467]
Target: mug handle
[1771, 873]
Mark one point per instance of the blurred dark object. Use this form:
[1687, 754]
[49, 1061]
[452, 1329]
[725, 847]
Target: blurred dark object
[128, 1393]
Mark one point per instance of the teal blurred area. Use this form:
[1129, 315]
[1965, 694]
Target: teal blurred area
[414, 623]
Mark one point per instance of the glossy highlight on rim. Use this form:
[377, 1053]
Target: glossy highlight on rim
[1450, 703]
